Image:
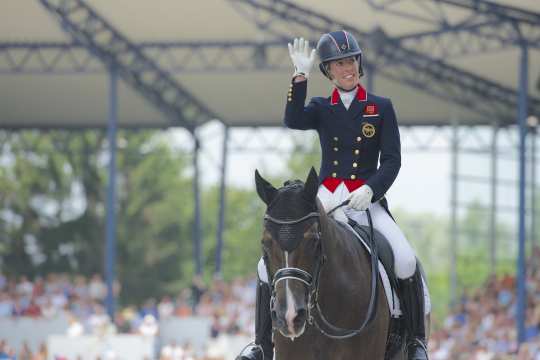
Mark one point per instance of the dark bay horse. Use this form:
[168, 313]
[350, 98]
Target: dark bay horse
[318, 269]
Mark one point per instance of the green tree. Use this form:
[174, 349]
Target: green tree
[53, 207]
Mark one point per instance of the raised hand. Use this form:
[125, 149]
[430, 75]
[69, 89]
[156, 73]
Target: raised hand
[301, 57]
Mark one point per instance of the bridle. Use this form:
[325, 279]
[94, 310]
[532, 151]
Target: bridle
[311, 281]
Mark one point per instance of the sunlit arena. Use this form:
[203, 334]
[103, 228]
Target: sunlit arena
[269, 179]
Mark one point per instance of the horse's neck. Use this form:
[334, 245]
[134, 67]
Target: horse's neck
[344, 252]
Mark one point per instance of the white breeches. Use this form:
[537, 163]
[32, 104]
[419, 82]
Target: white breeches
[404, 256]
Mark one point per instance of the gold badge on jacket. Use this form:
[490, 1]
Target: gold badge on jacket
[368, 130]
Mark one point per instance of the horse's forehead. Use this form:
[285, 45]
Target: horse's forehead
[291, 198]
[289, 204]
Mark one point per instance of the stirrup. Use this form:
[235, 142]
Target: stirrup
[251, 351]
[416, 343]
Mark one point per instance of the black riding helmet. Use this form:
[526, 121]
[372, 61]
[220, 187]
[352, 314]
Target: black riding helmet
[338, 45]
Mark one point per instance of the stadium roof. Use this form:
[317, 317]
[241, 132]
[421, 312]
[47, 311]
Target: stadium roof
[49, 87]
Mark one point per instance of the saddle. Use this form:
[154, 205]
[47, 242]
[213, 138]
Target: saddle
[385, 255]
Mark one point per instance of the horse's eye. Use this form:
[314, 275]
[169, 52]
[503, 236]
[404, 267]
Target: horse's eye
[312, 232]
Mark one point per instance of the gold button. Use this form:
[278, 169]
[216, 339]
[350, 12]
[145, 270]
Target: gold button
[354, 165]
[335, 162]
[290, 85]
[359, 139]
[334, 175]
[356, 152]
[335, 149]
[289, 100]
[353, 177]
[336, 138]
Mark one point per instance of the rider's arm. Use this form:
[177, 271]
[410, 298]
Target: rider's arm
[298, 116]
[390, 157]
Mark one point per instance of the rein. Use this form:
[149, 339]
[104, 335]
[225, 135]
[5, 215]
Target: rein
[315, 314]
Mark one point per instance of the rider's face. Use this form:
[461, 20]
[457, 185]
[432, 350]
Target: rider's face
[344, 73]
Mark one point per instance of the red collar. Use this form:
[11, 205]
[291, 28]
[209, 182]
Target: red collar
[361, 95]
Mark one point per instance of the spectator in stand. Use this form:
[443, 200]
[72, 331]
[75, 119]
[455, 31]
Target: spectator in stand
[97, 288]
[4, 350]
[205, 307]
[25, 288]
[149, 326]
[149, 308]
[6, 305]
[33, 310]
[182, 306]
[75, 328]
[48, 310]
[165, 308]
[58, 299]
[99, 322]
[197, 291]
[17, 309]
[42, 353]
[38, 288]
[25, 353]
[80, 288]
[123, 326]
[215, 328]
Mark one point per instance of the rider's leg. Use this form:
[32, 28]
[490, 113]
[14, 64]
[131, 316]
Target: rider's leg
[411, 287]
[262, 348]
[412, 301]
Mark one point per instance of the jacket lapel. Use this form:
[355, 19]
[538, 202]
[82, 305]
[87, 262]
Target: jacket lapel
[358, 104]
[336, 105]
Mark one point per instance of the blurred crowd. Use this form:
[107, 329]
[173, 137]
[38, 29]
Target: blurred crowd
[483, 326]
[81, 299]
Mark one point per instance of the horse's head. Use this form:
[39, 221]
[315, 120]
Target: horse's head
[292, 249]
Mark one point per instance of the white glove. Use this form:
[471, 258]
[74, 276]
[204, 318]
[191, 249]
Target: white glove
[301, 58]
[361, 198]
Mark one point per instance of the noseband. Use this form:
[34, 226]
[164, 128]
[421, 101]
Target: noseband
[312, 281]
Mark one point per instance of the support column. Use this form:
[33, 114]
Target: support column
[493, 211]
[110, 230]
[197, 236]
[533, 124]
[522, 119]
[223, 188]
[454, 211]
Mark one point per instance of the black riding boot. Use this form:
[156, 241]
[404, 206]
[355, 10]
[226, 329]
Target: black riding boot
[411, 293]
[263, 348]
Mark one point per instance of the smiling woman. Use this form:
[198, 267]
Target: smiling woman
[361, 158]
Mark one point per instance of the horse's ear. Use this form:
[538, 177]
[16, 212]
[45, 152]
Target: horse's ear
[265, 190]
[312, 185]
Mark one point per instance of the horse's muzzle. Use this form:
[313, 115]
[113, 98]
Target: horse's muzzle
[290, 322]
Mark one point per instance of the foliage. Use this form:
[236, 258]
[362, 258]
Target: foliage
[53, 207]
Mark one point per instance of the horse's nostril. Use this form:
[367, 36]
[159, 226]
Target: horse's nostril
[300, 316]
